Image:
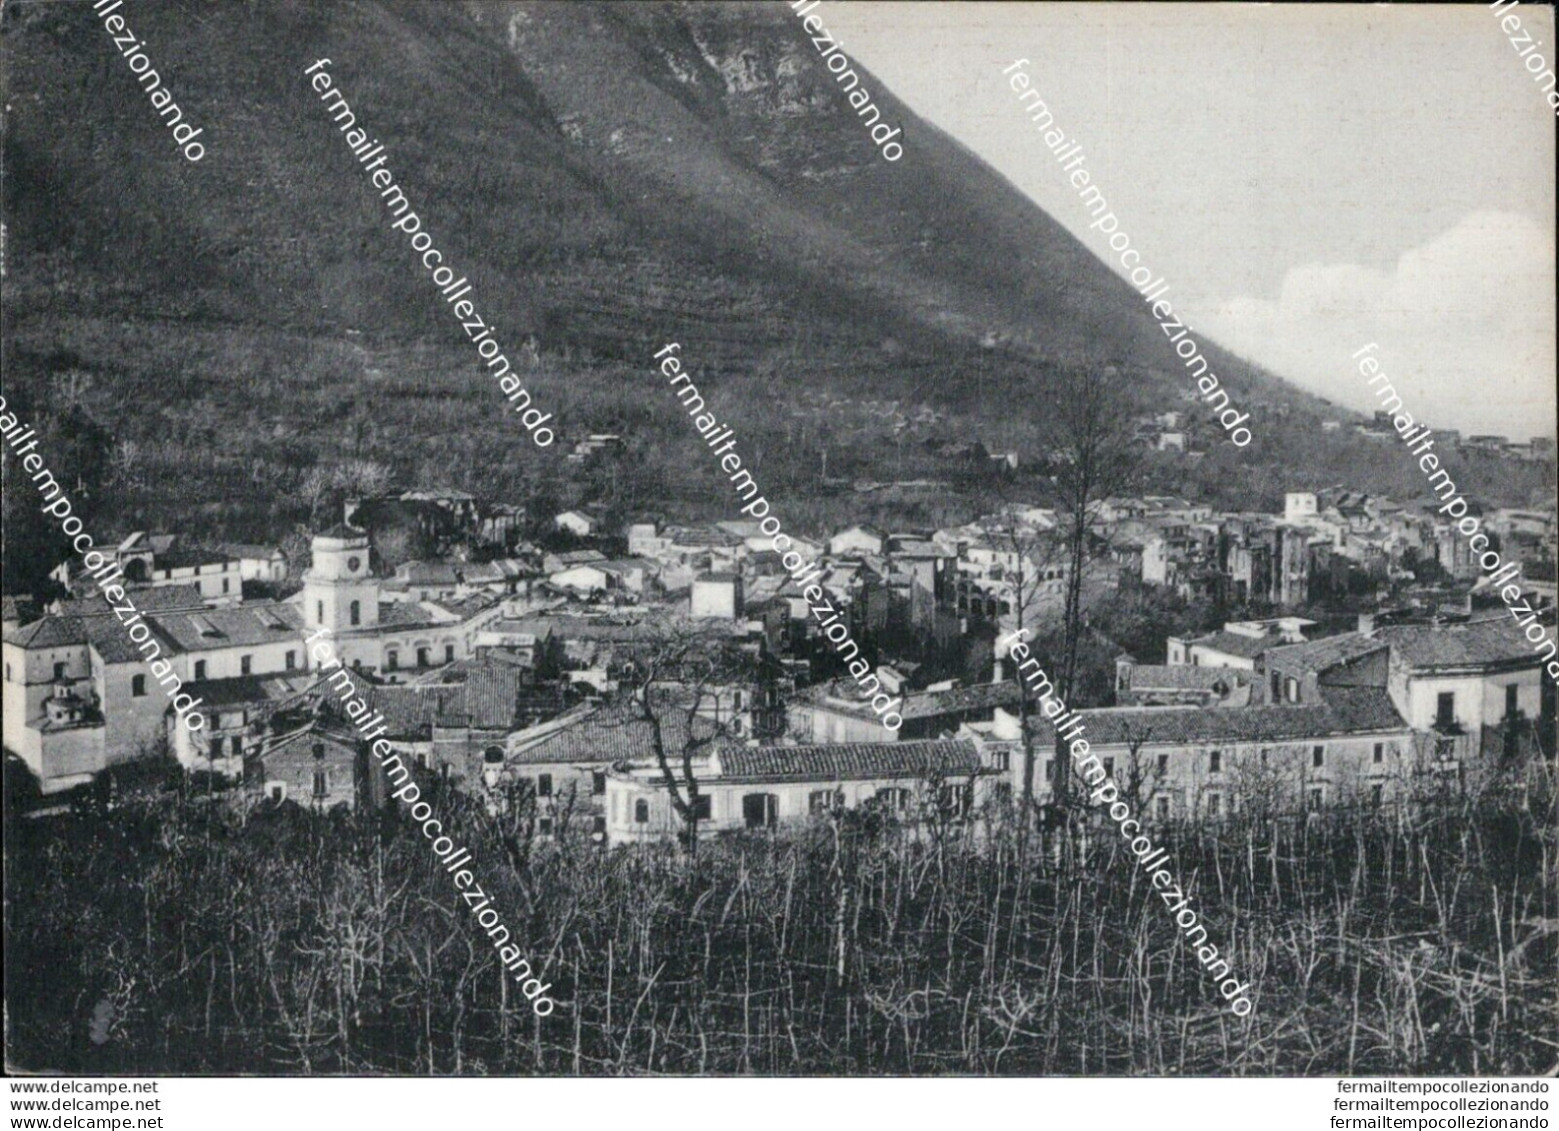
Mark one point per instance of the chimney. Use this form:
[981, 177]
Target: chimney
[1366, 624]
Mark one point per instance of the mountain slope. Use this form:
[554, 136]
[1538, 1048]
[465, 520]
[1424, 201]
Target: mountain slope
[608, 176]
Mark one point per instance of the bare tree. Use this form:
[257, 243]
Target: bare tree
[1094, 455]
[680, 693]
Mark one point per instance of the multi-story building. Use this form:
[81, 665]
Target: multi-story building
[758, 788]
[1170, 762]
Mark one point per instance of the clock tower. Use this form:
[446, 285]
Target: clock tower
[339, 592]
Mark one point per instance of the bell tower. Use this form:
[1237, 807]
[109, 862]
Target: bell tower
[339, 592]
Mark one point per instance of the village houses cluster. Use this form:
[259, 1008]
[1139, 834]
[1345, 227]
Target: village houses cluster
[501, 665]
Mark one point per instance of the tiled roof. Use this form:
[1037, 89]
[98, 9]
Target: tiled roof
[236, 627]
[491, 693]
[1165, 677]
[248, 689]
[1345, 711]
[927, 704]
[581, 557]
[250, 550]
[604, 735]
[1236, 644]
[50, 632]
[162, 598]
[183, 557]
[342, 531]
[1495, 641]
[111, 640]
[1320, 655]
[429, 573]
[405, 614]
[846, 761]
[409, 711]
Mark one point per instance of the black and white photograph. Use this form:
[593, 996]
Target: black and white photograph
[761, 542]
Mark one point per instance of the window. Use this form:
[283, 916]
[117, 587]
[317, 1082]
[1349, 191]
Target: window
[1318, 756]
[954, 800]
[1291, 689]
[235, 745]
[1277, 687]
[703, 807]
[736, 700]
[449, 653]
[544, 785]
[355, 612]
[824, 800]
[1050, 769]
[641, 812]
[1377, 793]
[277, 790]
[597, 782]
[493, 755]
[1379, 754]
[423, 659]
[1445, 709]
[1263, 755]
[1317, 797]
[200, 669]
[245, 665]
[1163, 763]
[392, 659]
[1512, 699]
[214, 749]
[736, 725]
[292, 659]
[760, 810]
[544, 826]
[598, 825]
[1214, 804]
[1161, 805]
[8, 673]
[225, 585]
[1001, 760]
[319, 612]
[321, 784]
[1215, 762]
[59, 669]
[138, 686]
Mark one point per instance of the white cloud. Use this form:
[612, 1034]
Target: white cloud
[1465, 325]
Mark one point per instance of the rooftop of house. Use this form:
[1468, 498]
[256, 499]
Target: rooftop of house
[581, 557]
[158, 599]
[1321, 655]
[1165, 677]
[406, 614]
[235, 627]
[1490, 642]
[849, 761]
[606, 735]
[1235, 643]
[250, 690]
[1344, 711]
[250, 550]
[49, 632]
[844, 695]
[188, 557]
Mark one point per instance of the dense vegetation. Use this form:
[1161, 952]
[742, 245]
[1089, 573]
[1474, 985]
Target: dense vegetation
[177, 935]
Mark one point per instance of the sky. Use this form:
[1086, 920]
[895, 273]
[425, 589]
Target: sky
[1309, 178]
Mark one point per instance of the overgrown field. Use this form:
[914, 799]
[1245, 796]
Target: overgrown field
[174, 935]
